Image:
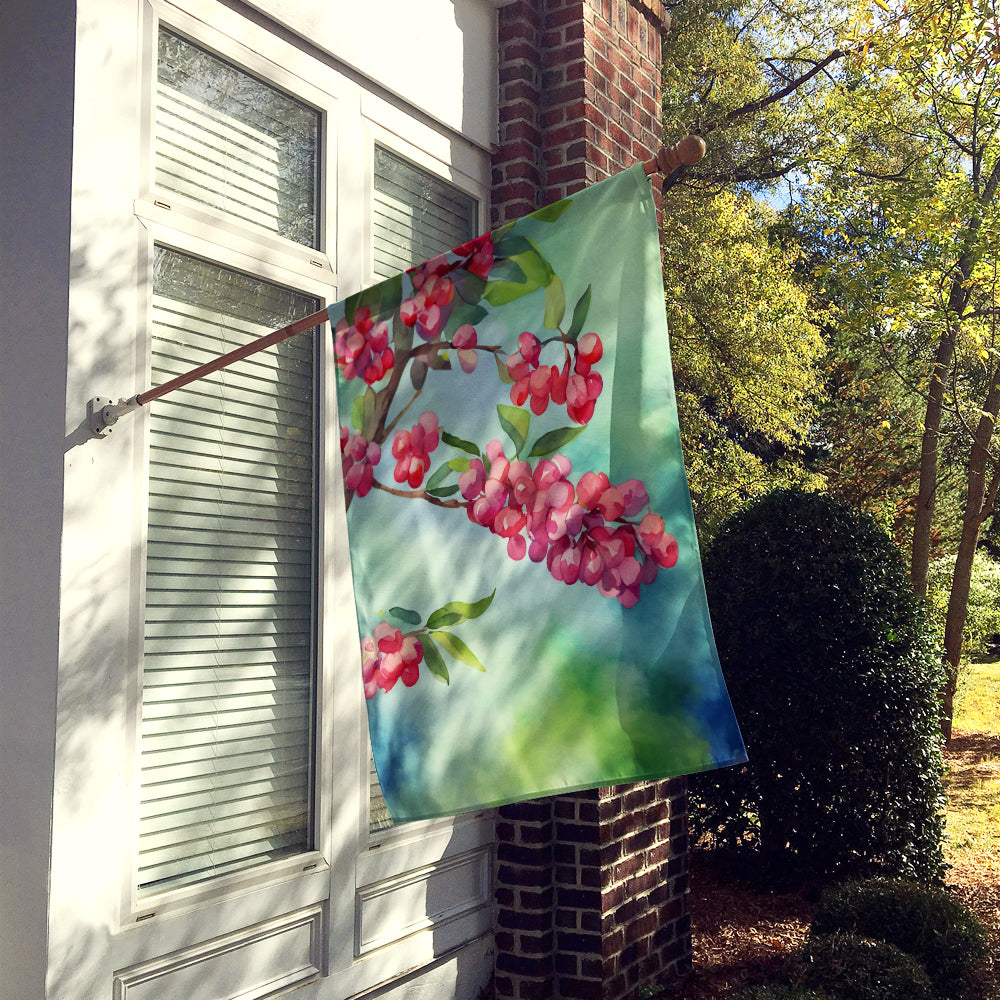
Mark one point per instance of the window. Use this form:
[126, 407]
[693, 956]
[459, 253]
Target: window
[229, 646]
[253, 803]
[228, 140]
[228, 680]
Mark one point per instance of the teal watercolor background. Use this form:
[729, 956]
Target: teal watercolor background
[577, 691]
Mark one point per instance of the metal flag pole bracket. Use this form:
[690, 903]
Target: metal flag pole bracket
[103, 413]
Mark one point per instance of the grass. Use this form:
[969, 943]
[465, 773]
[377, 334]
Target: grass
[978, 699]
[973, 809]
[973, 782]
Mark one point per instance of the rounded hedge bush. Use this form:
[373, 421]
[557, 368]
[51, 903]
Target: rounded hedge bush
[833, 672]
[925, 922]
[857, 968]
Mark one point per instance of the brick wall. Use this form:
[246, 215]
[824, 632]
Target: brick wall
[579, 96]
[591, 893]
[591, 889]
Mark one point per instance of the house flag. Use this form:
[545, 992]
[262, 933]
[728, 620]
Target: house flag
[526, 572]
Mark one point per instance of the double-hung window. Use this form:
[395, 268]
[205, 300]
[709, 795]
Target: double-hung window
[229, 679]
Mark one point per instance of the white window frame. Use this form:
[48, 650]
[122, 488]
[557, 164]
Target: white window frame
[350, 871]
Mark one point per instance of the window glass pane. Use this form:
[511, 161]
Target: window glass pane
[416, 216]
[228, 655]
[229, 140]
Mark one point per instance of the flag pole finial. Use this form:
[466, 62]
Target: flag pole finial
[688, 151]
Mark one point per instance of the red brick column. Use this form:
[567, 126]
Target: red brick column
[579, 96]
[591, 889]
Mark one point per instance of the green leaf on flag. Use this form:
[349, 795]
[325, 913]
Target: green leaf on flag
[555, 303]
[404, 615]
[455, 647]
[459, 465]
[552, 212]
[460, 443]
[498, 234]
[470, 287]
[363, 409]
[456, 612]
[440, 475]
[580, 315]
[549, 443]
[502, 369]
[402, 335]
[435, 662]
[515, 422]
[507, 248]
[536, 268]
[443, 491]
[499, 293]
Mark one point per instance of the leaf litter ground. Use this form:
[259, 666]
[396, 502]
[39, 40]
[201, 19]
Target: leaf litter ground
[742, 934]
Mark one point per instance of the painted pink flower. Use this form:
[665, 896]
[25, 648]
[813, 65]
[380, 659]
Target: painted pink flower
[412, 449]
[464, 341]
[574, 384]
[656, 541]
[388, 656]
[360, 456]
[362, 347]
[479, 254]
[429, 308]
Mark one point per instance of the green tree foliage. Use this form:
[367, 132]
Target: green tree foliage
[747, 351]
[746, 76]
[747, 358]
[908, 179]
[879, 121]
[982, 620]
[833, 672]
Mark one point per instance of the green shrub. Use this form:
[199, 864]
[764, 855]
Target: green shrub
[856, 968]
[925, 922]
[833, 672]
[982, 619]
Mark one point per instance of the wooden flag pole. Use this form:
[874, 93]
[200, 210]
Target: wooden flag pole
[103, 413]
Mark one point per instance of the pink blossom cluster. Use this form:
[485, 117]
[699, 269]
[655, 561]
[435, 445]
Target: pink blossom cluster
[360, 456]
[431, 304]
[362, 347]
[412, 449]
[576, 384]
[388, 656]
[478, 254]
[582, 533]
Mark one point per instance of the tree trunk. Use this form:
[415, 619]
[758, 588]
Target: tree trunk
[920, 553]
[958, 299]
[980, 498]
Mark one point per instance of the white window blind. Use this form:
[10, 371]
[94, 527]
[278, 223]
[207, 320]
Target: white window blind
[415, 216]
[228, 688]
[228, 140]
